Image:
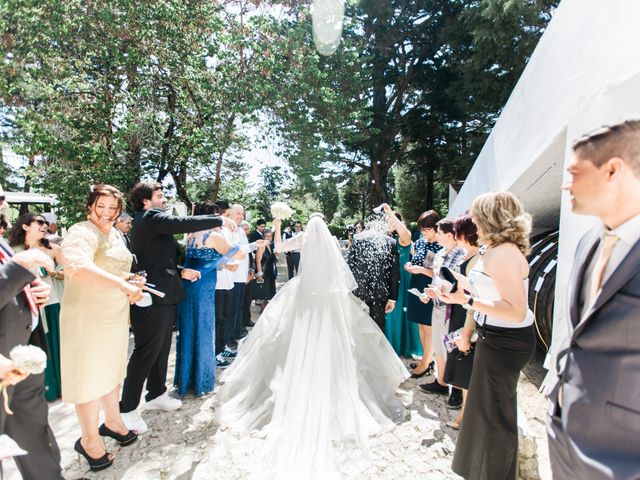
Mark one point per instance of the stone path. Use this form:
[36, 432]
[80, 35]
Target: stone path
[186, 444]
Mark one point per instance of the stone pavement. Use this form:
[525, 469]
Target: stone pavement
[186, 444]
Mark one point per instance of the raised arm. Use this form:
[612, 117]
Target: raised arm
[163, 223]
[217, 241]
[404, 235]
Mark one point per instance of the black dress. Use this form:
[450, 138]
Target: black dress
[458, 368]
[267, 289]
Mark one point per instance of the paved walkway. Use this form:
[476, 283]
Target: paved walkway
[186, 444]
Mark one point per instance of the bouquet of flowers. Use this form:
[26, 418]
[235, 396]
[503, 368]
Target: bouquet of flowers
[281, 211]
[27, 359]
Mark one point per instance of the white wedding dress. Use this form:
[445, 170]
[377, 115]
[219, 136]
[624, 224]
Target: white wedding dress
[316, 373]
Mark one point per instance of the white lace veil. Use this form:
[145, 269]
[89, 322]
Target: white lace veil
[322, 266]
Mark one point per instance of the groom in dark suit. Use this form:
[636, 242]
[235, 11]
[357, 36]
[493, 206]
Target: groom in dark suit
[156, 252]
[374, 261]
[29, 425]
[594, 409]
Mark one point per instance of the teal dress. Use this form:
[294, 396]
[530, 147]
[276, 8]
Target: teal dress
[402, 333]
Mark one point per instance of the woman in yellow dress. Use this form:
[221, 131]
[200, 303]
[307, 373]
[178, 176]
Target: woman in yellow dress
[94, 324]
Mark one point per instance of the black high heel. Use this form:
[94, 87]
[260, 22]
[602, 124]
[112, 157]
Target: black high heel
[123, 440]
[95, 464]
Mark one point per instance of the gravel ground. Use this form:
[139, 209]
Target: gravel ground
[186, 444]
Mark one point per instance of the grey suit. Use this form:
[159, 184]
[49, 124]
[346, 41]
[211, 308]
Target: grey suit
[28, 425]
[596, 433]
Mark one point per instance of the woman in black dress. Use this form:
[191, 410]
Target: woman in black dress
[266, 269]
[424, 251]
[459, 364]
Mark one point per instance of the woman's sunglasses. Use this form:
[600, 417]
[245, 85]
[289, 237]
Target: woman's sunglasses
[41, 222]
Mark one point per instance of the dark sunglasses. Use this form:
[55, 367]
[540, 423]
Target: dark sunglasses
[41, 222]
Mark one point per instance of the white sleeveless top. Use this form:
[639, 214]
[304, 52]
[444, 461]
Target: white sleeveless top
[485, 288]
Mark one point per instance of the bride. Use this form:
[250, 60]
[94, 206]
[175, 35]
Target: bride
[315, 372]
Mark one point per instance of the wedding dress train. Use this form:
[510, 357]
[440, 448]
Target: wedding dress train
[315, 372]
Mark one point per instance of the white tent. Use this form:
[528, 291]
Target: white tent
[584, 73]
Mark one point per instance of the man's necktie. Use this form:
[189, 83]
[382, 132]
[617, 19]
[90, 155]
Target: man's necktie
[608, 245]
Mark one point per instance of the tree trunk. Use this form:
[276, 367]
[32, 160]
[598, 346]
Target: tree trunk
[430, 187]
[228, 130]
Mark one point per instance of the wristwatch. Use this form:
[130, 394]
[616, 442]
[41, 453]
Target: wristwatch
[469, 303]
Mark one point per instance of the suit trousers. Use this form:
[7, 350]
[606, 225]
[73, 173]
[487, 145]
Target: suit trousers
[224, 319]
[562, 464]
[152, 332]
[29, 427]
[293, 262]
[376, 311]
[246, 306]
[237, 310]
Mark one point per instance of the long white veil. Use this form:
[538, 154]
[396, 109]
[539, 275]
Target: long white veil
[322, 266]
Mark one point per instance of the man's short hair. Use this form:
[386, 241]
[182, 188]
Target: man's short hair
[223, 205]
[124, 217]
[50, 217]
[621, 140]
[261, 221]
[446, 226]
[142, 191]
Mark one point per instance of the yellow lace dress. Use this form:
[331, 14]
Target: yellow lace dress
[94, 320]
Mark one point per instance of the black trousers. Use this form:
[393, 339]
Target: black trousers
[293, 262]
[224, 319]
[376, 311]
[152, 332]
[246, 306]
[29, 427]
[237, 309]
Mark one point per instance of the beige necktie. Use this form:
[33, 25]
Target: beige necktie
[608, 244]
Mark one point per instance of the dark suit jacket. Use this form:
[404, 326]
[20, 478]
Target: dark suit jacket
[598, 369]
[15, 315]
[156, 250]
[375, 266]
[255, 236]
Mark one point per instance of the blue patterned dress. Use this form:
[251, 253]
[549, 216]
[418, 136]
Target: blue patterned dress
[195, 357]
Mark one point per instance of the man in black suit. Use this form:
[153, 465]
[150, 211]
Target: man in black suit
[123, 226]
[594, 410]
[374, 261]
[29, 425]
[258, 233]
[293, 257]
[156, 252]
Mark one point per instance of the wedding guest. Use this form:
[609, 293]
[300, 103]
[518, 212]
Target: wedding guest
[402, 334]
[246, 308]
[293, 257]
[266, 270]
[195, 350]
[20, 295]
[4, 225]
[157, 252]
[459, 363]
[257, 234]
[449, 256]
[94, 324]
[373, 260]
[424, 251]
[239, 276]
[487, 446]
[30, 231]
[123, 226]
[593, 420]
[225, 314]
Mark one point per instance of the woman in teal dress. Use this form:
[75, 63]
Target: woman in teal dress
[402, 334]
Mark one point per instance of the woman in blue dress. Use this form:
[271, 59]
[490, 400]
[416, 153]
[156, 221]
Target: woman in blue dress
[195, 358]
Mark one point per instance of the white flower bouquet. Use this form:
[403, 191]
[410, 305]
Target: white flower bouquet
[281, 211]
[27, 360]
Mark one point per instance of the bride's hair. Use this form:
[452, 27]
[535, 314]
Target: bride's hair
[318, 214]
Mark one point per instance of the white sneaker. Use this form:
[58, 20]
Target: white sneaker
[163, 402]
[134, 421]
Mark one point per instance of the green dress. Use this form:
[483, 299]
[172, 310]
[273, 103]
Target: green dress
[403, 334]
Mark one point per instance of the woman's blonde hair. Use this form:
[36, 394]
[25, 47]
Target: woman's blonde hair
[502, 219]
